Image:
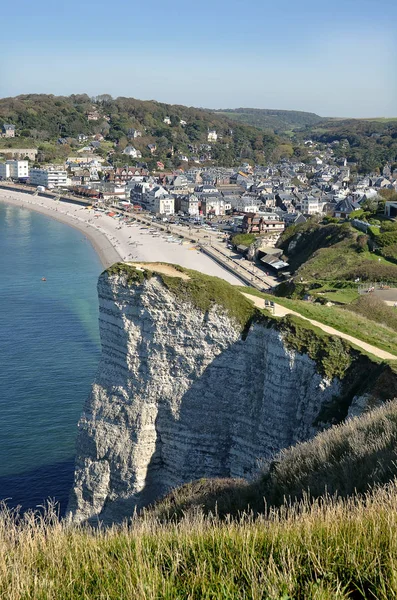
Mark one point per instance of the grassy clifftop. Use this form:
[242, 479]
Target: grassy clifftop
[325, 549]
[334, 357]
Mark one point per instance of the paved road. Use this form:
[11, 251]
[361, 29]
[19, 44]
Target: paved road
[281, 311]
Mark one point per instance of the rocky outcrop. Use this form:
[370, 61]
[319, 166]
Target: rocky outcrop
[193, 382]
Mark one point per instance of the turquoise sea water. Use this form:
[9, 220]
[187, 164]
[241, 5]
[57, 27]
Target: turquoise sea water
[49, 351]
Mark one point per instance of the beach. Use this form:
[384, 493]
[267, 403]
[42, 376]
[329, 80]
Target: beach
[116, 241]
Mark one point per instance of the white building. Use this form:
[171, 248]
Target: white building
[167, 120]
[248, 204]
[212, 136]
[311, 205]
[213, 205]
[134, 133]
[164, 205]
[50, 177]
[14, 169]
[133, 152]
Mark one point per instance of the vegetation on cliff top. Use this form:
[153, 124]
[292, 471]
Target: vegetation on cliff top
[321, 252]
[376, 327]
[332, 355]
[202, 291]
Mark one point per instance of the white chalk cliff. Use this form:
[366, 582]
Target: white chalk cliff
[182, 394]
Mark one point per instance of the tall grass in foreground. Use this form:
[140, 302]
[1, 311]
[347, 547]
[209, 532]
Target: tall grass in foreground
[329, 549]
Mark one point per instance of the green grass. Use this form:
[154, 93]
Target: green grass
[244, 239]
[335, 292]
[356, 325]
[323, 551]
[331, 252]
[202, 291]
[375, 309]
[204, 541]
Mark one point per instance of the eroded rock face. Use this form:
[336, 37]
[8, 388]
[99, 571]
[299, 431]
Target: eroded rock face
[180, 395]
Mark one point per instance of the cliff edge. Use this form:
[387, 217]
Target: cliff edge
[194, 381]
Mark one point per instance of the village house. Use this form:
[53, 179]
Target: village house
[188, 204]
[8, 131]
[132, 152]
[133, 133]
[212, 206]
[212, 136]
[344, 208]
[261, 222]
[311, 206]
[164, 205]
[93, 115]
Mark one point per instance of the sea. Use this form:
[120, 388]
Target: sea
[49, 352]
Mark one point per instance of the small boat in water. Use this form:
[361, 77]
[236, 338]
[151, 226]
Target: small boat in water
[43, 279]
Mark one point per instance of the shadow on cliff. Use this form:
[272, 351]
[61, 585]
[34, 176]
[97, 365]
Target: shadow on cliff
[223, 445]
[243, 408]
[343, 462]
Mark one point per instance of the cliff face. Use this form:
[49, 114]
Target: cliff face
[181, 393]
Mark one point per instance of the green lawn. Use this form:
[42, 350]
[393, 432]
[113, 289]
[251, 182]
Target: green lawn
[335, 293]
[348, 322]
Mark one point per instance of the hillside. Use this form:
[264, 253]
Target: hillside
[323, 253]
[53, 124]
[370, 144]
[276, 120]
[41, 119]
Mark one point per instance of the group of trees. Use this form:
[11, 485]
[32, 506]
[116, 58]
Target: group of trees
[369, 144]
[41, 119]
[276, 120]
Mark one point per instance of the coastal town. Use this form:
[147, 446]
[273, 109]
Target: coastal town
[198, 334]
[208, 204]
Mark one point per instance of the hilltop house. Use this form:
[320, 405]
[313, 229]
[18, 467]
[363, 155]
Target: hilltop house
[134, 133]
[133, 152]
[8, 130]
[212, 136]
[93, 115]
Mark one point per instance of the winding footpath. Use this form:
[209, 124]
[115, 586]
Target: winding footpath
[281, 311]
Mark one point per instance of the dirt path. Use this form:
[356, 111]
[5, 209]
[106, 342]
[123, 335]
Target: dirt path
[281, 311]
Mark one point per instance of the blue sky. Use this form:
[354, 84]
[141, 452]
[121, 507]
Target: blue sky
[335, 58]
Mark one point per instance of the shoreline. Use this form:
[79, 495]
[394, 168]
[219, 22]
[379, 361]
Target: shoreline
[118, 242]
[107, 254]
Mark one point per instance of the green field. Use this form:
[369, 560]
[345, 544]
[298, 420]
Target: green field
[346, 321]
